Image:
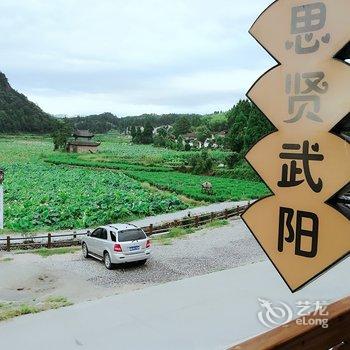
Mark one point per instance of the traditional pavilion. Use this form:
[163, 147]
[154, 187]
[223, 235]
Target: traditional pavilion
[82, 142]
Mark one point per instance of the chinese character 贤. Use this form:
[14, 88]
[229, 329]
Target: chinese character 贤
[304, 90]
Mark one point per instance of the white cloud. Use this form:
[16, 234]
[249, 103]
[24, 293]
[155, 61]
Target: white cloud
[84, 56]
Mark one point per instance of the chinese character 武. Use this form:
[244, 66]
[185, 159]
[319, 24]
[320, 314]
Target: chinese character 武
[291, 171]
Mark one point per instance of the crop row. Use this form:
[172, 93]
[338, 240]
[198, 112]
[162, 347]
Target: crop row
[53, 197]
[190, 185]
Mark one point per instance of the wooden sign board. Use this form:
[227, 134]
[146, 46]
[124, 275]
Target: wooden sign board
[303, 163]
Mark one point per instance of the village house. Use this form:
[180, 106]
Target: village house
[210, 142]
[82, 142]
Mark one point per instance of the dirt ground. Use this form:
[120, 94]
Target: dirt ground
[27, 278]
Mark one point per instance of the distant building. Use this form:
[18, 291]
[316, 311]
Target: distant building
[82, 142]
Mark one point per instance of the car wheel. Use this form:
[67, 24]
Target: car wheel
[107, 261]
[85, 251]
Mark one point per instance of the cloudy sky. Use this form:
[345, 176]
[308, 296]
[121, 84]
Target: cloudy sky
[131, 56]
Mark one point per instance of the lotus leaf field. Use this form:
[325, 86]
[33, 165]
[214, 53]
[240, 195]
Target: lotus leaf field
[46, 190]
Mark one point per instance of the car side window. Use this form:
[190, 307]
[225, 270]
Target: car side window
[96, 233]
[113, 237]
[103, 234]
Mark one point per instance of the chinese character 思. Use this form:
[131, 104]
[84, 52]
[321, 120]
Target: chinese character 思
[306, 20]
[299, 235]
[291, 171]
[304, 100]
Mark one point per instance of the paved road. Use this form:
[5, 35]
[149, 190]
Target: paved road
[216, 207]
[158, 219]
[206, 312]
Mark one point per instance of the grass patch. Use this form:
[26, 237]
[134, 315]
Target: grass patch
[11, 310]
[163, 240]
[45, 252]
[55, 302]
[176, 232]
[6, 259]
[216, 223]
[8, 311]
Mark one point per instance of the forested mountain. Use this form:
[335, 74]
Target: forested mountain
[18, 114]
[156, 120]
[97, 123]
[102, 123]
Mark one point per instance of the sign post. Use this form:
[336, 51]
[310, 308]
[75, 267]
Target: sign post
[304, 164]
[1, 200]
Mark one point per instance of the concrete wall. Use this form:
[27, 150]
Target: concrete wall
[82, 149]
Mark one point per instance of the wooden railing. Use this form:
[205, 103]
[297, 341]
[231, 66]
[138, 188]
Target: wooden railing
[51, 240]
[310, 335]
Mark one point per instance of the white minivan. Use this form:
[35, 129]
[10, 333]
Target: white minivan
[117, 244]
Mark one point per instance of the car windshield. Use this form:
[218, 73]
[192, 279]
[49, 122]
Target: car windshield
[131, 235]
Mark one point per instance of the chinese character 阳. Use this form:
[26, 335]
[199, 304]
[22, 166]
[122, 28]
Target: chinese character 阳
[294, 231]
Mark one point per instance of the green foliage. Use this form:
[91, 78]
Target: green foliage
[182, 126]
[190, 186]
[18, 114]
[45, 252]
[61, 135]
[202, 133]
[216, 223]
[7, 259]
[178, 232]
[202, 163]
[232, 159]
[79, 160]
[144, 136]
[10, 310]
[241, 170]
[100, 123]
[40, 196]
[246, 126]
[216, 122]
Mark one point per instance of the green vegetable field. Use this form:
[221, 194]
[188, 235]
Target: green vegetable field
[47, 190]
[39, 196]
[224, 189]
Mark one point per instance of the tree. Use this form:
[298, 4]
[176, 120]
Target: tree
[233, 159]
[61, 135]
[235, 137]
[202, 163]
[182, 126]
[203, 133]
[147, 134]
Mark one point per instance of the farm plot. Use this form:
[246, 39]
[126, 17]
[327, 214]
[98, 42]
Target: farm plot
[190, 186]
[116, 148]
[39, 196]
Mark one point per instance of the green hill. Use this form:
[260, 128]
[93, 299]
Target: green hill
[97, 123]
[18, 114]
